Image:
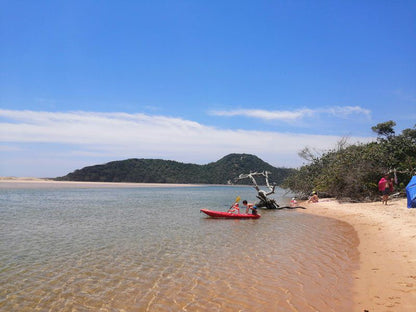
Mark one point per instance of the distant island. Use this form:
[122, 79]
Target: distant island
[223, 171]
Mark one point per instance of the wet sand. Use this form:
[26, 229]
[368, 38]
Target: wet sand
[386, 278]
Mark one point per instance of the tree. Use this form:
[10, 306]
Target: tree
[353, 171]
[384, 128]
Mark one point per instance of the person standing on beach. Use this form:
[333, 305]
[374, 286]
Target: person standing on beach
[250, 206]
[385, 186]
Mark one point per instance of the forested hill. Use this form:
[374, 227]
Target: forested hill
[222, 171]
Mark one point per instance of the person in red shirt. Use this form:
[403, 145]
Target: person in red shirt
[385, 186]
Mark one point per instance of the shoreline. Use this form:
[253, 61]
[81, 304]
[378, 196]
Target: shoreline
[44, 182]
[386, 278]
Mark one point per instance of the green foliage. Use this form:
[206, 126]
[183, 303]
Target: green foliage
[384, 128]
[167, 171]
[353, 171]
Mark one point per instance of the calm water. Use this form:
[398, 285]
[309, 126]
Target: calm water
[150, 249]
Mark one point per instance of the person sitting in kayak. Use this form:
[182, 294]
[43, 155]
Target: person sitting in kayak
[293, 202]
[250, 206]
[234, 208]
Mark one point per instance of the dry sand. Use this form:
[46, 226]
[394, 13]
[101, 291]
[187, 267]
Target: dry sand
[22, 182]
[386, 279]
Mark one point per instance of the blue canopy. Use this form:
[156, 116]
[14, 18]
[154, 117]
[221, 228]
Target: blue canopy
[411, 193]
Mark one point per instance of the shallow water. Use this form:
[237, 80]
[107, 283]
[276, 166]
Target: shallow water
[150, 249]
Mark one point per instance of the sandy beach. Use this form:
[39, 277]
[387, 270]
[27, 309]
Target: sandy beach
[386, 279]
[28, 182]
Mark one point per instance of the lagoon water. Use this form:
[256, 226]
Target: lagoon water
[150, 249]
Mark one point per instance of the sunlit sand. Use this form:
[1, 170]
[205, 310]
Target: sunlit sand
[386, 279]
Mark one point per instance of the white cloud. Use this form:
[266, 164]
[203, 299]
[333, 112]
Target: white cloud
[121, 135]
[267, 115]
[346, 111]
[289, 116]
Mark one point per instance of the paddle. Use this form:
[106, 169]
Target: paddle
[237, 199]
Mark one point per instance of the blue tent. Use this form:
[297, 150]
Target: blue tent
[411, 193]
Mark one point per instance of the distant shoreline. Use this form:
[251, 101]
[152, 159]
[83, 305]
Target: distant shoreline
[13, 179]
[17, 182]
[386, 279]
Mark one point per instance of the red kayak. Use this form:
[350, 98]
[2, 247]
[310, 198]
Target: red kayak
[229, 215]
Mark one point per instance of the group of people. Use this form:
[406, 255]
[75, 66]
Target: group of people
[249, 206]
[386, 187]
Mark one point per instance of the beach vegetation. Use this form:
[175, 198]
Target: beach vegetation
[385, 128]
[352, 171]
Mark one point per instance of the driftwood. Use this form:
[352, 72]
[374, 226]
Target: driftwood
[264, 201]
[291, 207]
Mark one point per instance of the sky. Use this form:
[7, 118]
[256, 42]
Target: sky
[88, 82]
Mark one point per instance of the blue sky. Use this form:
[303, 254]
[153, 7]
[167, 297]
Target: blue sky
[87, 82]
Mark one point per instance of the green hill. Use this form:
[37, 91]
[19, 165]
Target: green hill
[167, 171]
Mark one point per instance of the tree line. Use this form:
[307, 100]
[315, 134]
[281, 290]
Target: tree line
[353, 171]
[223, 171]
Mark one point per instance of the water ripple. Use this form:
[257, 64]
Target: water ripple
[149, 250]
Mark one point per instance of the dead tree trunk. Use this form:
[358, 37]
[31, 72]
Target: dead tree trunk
[264, 201]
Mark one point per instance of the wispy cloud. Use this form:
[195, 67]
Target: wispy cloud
[347, 111]
[295, 115]
[121, 135]
[266, 115]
